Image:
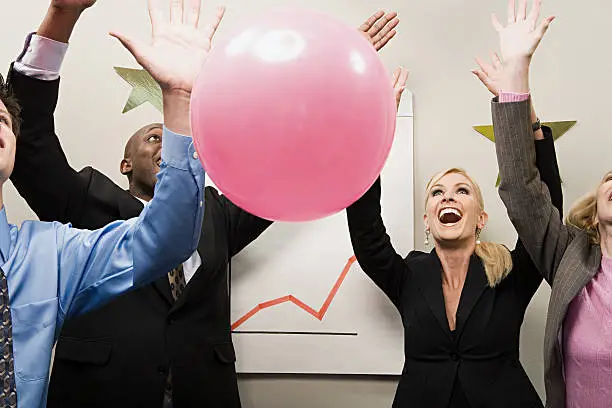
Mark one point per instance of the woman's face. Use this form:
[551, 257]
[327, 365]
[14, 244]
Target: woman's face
[604, 200]
[453, 212]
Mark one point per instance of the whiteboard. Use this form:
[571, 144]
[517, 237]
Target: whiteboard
[301, 304]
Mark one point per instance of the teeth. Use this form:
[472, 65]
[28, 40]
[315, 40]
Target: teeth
[449, 211]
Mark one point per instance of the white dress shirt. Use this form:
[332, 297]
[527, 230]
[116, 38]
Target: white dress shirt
[42, 58]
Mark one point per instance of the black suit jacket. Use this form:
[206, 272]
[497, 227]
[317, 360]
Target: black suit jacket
[483, 360]
[120, 354]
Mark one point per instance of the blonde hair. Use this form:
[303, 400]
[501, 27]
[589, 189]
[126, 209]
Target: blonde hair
[583, 215]
[496, 258]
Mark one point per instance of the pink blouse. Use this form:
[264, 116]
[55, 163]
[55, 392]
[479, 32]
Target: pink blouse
[587, 343]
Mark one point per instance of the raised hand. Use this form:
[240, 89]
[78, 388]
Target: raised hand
[379, 28]
[398, 81]
[75, 5]
[178, 49]
[490, 75]
[520, 38]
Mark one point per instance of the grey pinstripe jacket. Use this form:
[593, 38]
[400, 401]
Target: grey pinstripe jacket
[563, 253]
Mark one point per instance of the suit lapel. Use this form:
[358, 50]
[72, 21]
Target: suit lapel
[130, 207]
[429, 278]
[162, 285]
[430, 283]
[473, 288]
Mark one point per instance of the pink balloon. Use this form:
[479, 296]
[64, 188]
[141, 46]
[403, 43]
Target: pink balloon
[293, 116]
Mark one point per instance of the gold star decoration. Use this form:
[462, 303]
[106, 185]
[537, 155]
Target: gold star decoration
[144, 88]
[558, 129]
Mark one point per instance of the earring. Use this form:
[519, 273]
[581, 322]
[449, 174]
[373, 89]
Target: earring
[477, 235]
[427, 237]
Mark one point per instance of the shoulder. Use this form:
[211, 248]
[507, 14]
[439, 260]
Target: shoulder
[415, 257]
[34, 234]
[101, 189]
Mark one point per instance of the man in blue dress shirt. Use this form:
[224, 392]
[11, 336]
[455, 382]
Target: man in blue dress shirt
[51, 271]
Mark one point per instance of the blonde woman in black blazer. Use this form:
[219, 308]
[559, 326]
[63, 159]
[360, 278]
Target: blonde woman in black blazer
[462, 304]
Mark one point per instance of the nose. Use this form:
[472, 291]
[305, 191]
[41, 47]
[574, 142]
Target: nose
[448, 197]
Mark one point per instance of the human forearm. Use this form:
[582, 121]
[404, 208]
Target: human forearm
[176, 112]
[59, 23]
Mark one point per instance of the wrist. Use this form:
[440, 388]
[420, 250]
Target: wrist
[515, 78]
[176, 106]
[59, 23]
[176, 94]
[65, 11]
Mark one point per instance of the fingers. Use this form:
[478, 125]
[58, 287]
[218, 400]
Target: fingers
[176, 12]
[522, 11]
[484, 78]
[543, 27]
[484, 67]
[192, 13]
[385, 34]
[212, 28]
[155, 14]
[378, 44]
[480, 74]
[496, 24]
[398, 94]
[370, 21]
[395, 76]
[534, 13]
[403, 78]
[497, 64]
[511, 12]
[399, 78]
[135, 47]
[378, 26]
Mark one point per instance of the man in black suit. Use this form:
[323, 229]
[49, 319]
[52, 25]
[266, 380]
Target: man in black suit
[146, 348]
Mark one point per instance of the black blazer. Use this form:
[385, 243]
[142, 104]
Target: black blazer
[119, 355]
[482, 365]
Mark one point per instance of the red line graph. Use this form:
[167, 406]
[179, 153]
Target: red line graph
[290, 298]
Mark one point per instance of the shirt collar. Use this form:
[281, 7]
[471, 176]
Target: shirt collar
[5, 236]
[145, 203]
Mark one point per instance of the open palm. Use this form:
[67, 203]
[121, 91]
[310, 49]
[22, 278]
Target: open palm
[520, 38]
[178, 49]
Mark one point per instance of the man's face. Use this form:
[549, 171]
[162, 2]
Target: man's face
[143, 157]
[7, 144]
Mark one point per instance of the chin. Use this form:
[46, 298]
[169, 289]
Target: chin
[5, 171]
[451, 237]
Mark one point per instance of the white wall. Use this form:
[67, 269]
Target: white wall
[437, 41]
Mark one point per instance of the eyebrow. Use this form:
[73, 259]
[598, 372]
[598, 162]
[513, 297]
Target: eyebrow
[150, 128]
[456, 185]
[146, 131]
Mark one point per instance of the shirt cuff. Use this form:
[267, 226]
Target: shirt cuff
[179, 151]
[41, 58]
[512, 97]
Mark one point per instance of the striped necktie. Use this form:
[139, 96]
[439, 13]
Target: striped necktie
[8, 393]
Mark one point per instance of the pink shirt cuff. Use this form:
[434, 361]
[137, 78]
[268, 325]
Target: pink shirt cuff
[512, 97]
[41, 58]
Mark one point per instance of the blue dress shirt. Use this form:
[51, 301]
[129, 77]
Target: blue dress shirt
[55, 271]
